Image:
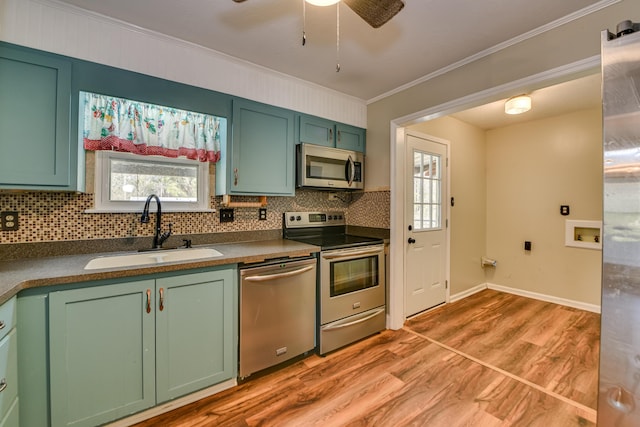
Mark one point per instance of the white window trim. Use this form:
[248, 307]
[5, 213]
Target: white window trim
[102, 204]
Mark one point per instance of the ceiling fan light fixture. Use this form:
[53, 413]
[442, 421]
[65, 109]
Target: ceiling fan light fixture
[322, 2]
[518, 104]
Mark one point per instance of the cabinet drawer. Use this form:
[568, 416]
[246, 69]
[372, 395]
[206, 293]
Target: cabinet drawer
[7, 317]
[8, 372]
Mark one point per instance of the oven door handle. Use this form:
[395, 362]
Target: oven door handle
[352, 254]
[267, 277]
[354, 322]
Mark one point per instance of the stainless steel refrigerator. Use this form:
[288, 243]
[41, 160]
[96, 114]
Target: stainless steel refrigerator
[619, 387]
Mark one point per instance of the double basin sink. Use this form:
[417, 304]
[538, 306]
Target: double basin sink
[151, 258]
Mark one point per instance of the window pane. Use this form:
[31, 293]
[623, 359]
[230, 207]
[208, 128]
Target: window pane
[426, 195]
[426, 216]
[135, 180]
[417, 221]
[435, 167]
[435, 216]
[417, 163]
[425, 161]
[417, 190]
[435, 192]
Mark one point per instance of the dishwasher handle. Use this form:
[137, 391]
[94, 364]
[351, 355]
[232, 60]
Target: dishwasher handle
[267, 277]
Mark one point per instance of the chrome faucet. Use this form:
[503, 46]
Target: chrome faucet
[159, 237]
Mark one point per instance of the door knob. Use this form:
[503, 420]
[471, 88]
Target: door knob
[411, 240]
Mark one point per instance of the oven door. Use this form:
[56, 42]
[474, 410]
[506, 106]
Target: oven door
[351, 281]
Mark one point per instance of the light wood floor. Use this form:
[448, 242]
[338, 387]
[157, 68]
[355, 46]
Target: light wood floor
[492, 359]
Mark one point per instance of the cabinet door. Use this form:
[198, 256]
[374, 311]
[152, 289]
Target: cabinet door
[8, 372]
[195, 326]
[101, 344]
[262, 160]
[35, 121]
[314, 130]
[350, 137]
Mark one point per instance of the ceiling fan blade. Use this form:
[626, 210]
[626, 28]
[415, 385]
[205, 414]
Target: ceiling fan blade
[375, 12]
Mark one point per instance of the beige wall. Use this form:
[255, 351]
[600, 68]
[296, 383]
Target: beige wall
[468, 186]
[567, 44]
[532, 169]
[508, 185]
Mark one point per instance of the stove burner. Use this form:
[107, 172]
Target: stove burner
[324, 229]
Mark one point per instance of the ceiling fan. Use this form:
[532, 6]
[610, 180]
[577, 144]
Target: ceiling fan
[375, 12]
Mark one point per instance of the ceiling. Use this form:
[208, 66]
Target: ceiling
[426, 36]
[563, 98]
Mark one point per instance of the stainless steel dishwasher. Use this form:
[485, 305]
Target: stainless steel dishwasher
[277, 312]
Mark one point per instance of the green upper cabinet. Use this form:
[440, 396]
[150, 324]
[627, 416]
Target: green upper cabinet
[318, 131]
[35, 105]
[260, 160]
[350, 137]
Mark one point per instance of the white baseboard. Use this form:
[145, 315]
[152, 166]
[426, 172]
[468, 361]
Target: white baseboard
[548, 298]
[467, 293]
[542, 297]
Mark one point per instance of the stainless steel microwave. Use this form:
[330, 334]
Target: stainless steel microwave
[329, 168]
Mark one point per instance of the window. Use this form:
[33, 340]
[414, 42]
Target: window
[427, 200]
[123, 181]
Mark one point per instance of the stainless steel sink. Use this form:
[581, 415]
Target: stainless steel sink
[151, 258]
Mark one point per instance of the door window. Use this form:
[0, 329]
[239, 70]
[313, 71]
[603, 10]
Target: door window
[427, 197]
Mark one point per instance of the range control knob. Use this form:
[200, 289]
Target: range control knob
[298, 218]
[291, 218]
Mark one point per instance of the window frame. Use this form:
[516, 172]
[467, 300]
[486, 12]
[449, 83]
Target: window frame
[102, 178]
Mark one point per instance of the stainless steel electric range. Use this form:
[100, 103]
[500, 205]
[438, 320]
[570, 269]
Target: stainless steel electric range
[351, 282]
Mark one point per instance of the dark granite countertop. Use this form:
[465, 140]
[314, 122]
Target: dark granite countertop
[20, 274]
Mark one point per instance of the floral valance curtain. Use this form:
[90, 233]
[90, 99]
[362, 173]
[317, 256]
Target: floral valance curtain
[122, 125]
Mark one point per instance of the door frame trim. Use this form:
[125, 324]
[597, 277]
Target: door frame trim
[395, 319]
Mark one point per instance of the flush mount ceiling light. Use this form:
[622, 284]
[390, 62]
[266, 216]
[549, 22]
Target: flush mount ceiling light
[518, 104]
[322, 2]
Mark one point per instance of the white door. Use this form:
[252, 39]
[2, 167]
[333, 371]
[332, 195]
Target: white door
[425, 224]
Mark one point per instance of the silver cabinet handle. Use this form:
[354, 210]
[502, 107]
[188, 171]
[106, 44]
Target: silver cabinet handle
[2, 324]
[161, 299]
[330, 134]
[3, 384]
[279, 275]
[355, 322]
[352, 254]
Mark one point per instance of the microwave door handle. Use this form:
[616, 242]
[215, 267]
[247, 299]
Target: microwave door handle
[350, 171]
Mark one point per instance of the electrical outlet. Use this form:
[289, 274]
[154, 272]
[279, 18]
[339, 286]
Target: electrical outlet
[333, 196]
[262, 214]
[226, 215]
[9, 221]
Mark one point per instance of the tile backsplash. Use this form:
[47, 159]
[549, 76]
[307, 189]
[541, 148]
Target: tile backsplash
[54, 217]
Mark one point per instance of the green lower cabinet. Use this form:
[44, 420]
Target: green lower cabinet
[12, 417]
[117, 349]
[194, 333]
[102, 358]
